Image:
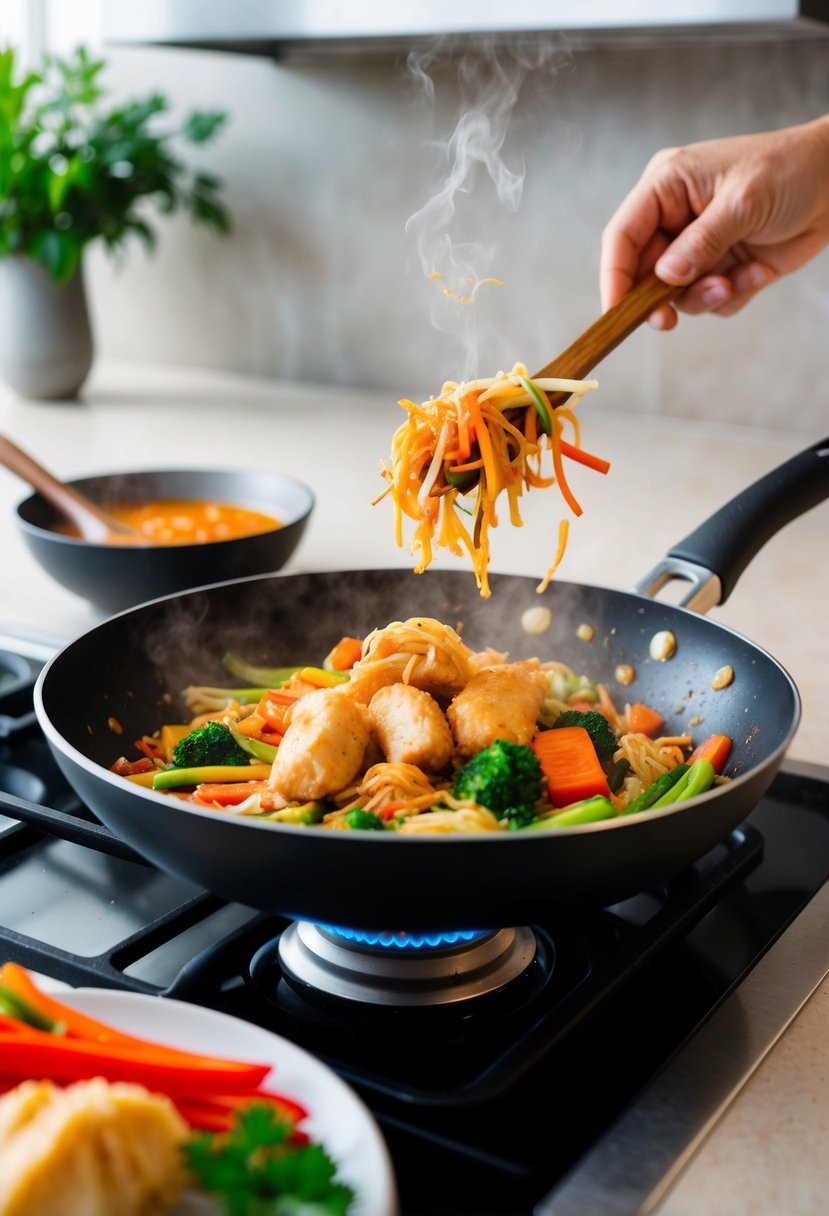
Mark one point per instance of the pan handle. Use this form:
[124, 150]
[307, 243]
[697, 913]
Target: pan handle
[715, 554]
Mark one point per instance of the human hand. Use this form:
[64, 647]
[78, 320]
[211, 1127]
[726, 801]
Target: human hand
[725, 217]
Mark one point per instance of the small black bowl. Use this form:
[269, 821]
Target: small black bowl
[114, 577]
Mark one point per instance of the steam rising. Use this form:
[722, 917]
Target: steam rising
[475, 159]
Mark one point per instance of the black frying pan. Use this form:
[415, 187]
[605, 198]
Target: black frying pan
[125, 668]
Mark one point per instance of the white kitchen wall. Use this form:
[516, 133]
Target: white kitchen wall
[326, 159]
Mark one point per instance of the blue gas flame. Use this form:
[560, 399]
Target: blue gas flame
[405, 941]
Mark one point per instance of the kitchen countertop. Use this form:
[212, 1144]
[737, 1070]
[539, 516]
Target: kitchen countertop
[667, 476]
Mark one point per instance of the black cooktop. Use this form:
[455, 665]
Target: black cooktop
[485, 1104]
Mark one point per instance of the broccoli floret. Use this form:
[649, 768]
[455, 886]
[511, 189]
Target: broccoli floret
[208, 744]
[597, 727]
[505, 778]
[364, 820]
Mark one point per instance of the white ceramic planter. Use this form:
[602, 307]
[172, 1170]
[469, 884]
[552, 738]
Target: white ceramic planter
[45, 335]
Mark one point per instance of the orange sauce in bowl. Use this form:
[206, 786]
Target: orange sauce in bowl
[185, 522]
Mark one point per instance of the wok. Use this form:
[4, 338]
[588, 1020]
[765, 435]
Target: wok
[124, 670]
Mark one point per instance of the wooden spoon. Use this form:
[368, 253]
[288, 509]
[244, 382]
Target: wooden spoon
[93, 523]
[605, 335]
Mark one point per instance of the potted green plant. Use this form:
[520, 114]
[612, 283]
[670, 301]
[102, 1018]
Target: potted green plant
[74, 169]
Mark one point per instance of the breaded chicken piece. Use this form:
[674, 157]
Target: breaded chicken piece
[323, 748]
[498, 703]
[410, 727]
[421, 651]
[92, 1149]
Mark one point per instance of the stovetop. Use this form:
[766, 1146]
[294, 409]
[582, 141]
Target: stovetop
[485, 1104]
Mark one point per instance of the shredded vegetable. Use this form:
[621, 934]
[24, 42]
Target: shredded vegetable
[458, 453]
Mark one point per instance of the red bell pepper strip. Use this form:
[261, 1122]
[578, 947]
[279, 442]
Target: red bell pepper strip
[232, 793]
[37, 1053]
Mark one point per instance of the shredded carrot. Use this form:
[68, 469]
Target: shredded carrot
[485, 444]
[558, 465]
[487, 431]
[578, 454]
[563, 531]
[468, 467]
[464, 431]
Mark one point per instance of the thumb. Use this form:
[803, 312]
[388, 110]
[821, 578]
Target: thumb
[701, 246]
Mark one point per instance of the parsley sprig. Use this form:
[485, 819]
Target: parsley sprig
[257, 1169]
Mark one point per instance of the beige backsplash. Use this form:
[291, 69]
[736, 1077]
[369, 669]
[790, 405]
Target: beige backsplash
[326, 159]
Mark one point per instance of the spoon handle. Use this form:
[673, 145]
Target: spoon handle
[604, 335]
[93, 523]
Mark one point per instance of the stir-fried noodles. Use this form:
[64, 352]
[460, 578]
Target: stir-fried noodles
[410, 731]
[469, 445]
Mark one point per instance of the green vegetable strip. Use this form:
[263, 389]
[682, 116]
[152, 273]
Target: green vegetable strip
[461, 481]
[305, 813]
[660, 787]
[245, 696]
[266, 752]
[590, 811]
[698, 779]
[178, 778]
[270, 677]
[13, 1006]
[540, 405]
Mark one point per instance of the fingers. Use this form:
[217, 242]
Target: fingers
[746, 281]
[630, 233]
[704, 256]
[701, 247]
[706, 295]
[726, 294]
[664, 318]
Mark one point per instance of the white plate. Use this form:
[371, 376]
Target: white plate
[337, 1119]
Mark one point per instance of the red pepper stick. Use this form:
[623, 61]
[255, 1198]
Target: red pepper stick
[34, 1053]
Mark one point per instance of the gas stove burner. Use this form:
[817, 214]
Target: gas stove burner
[400, 969]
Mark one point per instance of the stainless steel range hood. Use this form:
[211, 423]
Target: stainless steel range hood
[276, 27]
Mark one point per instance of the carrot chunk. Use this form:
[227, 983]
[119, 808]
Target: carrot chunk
[346, 653]
[715, 749]
[570, 765]
[642, 720]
